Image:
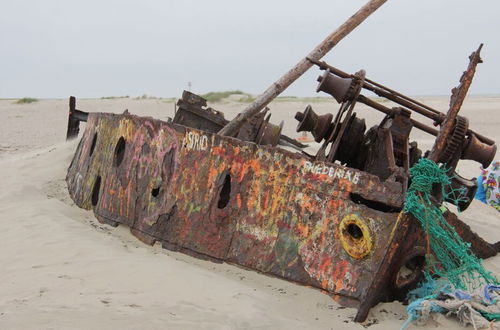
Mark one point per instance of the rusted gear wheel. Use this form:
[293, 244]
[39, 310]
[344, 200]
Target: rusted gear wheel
[455, 141]
[353, 89]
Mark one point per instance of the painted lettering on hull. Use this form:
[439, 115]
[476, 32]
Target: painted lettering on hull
[332, 172]
[195, 141]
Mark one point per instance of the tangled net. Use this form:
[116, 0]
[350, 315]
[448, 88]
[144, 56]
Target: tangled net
[452, 257]
[449, 258]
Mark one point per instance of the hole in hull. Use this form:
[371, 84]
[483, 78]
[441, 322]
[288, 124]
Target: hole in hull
[92, 146]
[355, 236]
[354, 231]
[96, 190]
[358, 199]
[410, 271]
[119, 151]
[225, 192]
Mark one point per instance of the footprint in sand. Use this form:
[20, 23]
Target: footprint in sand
[134, 305]
[42, 291]
[57, 189]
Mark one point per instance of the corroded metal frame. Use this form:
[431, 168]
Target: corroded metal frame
[280, 213]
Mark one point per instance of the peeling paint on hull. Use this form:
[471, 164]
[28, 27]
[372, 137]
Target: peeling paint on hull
[259, 207]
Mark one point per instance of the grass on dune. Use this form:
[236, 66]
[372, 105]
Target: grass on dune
[26, 100]
[218, 96]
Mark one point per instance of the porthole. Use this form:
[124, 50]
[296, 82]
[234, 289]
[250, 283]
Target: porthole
[96, 191]
[92, 146]
[355, 236]
[119, 152]
[225, 192]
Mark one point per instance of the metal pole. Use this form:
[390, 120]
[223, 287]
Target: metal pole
[388, 111]
[300, 68]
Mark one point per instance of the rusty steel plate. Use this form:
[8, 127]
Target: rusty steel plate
[319, 224]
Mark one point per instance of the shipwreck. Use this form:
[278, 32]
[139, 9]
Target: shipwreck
[241, 192]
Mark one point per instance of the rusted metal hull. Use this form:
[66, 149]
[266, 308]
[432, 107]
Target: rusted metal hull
[320, 224]
[260, 207]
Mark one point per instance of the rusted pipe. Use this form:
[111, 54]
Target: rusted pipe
[300, 68]
[437, 117]
[388, 111]
[75, 116]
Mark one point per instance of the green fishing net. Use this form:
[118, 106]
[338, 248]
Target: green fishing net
[451, 257]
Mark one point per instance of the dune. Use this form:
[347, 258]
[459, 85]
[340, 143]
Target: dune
[61, 269]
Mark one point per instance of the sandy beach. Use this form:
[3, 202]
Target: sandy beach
[61, 269]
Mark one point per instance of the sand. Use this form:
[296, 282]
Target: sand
[61, 269]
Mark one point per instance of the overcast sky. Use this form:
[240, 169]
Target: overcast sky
[96, 48]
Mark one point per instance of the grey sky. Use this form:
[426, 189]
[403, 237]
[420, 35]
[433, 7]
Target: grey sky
[97, 48]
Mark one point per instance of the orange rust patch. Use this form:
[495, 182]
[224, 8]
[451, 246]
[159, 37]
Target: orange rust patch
[266, 200]
[217, 150]
[340, 272]
[302, 229]
[238, 201]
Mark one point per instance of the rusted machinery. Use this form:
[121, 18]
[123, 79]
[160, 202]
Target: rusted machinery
[229, 191]
[385, 150]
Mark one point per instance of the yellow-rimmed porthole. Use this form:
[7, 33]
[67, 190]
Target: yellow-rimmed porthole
[355, 236]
